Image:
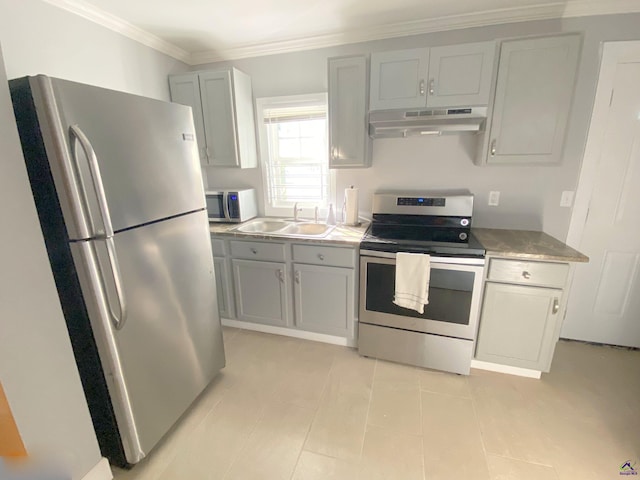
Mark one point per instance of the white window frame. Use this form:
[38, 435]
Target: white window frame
[289, 101]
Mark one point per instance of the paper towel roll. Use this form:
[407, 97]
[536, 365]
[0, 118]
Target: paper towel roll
[351, 206]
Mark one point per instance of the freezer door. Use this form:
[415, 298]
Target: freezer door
[171, 346]
[145, 151]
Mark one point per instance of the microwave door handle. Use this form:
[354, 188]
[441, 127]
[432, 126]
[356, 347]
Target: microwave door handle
[225, 204]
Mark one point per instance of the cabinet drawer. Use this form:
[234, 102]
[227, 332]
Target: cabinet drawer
[317, 255]
[537, 273]
[217, 247]
[270, 252]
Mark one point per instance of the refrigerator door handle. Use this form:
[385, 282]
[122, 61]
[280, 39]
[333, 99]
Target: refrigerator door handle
[77, 134]
[225, 204]
[120, 319]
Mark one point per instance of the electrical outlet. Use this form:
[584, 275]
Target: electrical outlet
[494, 199]
[566, 200]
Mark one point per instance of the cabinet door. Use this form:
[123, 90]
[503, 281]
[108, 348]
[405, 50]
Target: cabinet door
[349, 142]
[185, 90]
[460, 75]
[324, 299]
[534, 89]
[398, 79]
[218, 112]
[261, 291]
[517, 325]
[223, 287]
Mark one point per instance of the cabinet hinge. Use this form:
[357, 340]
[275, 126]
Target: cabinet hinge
[611, 99]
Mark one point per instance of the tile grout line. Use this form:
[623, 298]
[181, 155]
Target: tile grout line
[424, 463]
[366, 421]
[477, 418]
[315, 416]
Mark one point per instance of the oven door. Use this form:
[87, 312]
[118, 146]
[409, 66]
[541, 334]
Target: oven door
[454, 296]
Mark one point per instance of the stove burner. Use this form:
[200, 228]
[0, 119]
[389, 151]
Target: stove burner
[404, 227]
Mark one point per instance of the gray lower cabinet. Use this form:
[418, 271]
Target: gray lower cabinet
[261, 291]
[223, 287]
[324, 299]
[521, 313]
[305, 286]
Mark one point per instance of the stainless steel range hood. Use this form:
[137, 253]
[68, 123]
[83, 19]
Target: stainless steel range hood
[405, 123]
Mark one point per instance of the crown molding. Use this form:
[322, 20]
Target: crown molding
[118, 25]
[547, 11]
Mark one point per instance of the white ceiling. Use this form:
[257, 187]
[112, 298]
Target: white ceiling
[202, 31]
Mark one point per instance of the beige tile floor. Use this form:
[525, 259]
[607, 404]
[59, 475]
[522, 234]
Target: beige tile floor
[285, 408]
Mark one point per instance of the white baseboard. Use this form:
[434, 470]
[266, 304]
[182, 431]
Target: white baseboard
[289, 332]
[100, 471]
[496, 367]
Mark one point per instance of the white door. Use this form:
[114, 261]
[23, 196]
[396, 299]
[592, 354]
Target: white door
[604, 303]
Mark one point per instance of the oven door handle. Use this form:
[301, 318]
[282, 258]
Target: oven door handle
[450, 260]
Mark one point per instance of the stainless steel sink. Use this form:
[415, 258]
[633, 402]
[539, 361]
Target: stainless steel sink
[285, 228]
[309, 229]
[263, 226]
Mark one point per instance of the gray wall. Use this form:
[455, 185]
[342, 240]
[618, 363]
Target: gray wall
[530, 196]
[37, 367]
[40, 38]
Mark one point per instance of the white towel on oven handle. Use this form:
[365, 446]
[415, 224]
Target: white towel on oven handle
[413, 271]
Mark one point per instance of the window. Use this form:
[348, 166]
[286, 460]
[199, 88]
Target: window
[293, 147]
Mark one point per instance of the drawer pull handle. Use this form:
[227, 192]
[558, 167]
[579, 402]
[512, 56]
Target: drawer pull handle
[526, 275]
[556, 306]
[254, 251]
[321, 256]
[280, 275]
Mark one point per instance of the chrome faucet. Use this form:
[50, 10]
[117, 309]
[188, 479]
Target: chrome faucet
[315, 215]
[295, 211]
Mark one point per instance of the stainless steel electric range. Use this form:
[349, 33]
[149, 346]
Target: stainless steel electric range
[434, 223]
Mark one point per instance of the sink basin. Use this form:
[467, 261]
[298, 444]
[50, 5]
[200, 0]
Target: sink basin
[308, 229]
[285, 228]
[263, 226]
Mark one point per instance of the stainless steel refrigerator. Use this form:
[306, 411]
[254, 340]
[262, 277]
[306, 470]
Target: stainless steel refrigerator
[118, 188]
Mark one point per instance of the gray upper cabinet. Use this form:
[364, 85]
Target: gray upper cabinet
[185, 90]
[460, 75]
[534, 88]
[349, 142]
[398, 79]
[222, 103]
[451, 76]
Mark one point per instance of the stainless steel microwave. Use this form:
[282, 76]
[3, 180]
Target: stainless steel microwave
[227, 205]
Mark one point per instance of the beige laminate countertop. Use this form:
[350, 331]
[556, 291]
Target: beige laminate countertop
[526, 244]
[341, 234]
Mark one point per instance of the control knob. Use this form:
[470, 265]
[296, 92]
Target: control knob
[464, 222]
[463, 236]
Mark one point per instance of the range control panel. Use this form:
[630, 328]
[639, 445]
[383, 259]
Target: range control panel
[421, 201]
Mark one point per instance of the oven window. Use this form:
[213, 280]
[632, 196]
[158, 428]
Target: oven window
[450, 293]
[215, 207]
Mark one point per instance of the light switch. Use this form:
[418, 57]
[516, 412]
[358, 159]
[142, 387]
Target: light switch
[566, 200]
[494, 199]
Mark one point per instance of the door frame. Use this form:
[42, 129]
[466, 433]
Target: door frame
[611, 54]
